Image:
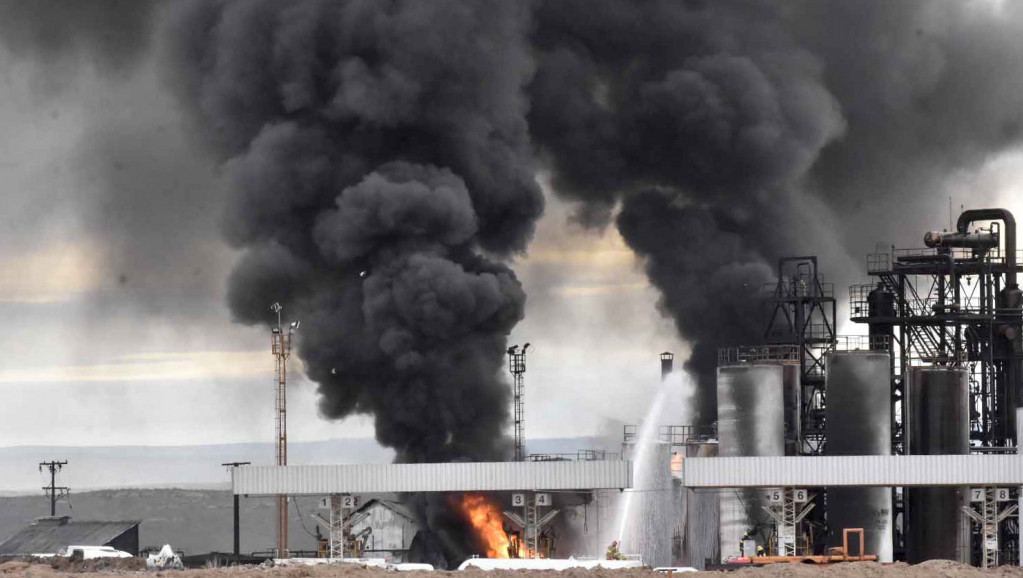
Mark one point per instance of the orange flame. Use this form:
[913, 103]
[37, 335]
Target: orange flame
[676, 463]
[485, 517]
[521, 551]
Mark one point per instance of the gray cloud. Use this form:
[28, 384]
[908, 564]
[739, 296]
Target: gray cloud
[109, 34]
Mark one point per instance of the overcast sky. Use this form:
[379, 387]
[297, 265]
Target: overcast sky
[116, 332]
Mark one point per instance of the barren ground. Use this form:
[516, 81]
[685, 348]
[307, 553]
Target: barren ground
[120, 569]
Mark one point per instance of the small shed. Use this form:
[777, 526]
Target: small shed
[387, 530]
[50, 535]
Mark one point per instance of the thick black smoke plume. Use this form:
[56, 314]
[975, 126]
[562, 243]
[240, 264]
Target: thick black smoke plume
[378, 152]
[719, 128]
[698, 118]
[354, 133]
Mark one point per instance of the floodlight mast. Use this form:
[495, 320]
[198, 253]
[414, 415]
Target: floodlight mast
[281, 347]
[517, 367]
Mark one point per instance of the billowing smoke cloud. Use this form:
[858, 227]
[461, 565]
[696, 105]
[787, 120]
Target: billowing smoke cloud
[710, 283]
[928, 88]
[394, 140]
[371, 140]
[698, 118]
[377, 153]
[718, 127]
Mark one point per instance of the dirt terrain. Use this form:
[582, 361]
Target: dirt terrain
[121, 568]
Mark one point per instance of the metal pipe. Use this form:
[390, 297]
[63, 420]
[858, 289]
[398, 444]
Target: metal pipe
[975, 241]
[1009, 222]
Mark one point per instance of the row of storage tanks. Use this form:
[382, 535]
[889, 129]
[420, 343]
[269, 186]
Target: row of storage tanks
[759, 415]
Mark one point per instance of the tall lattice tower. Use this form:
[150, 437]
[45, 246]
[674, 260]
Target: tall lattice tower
[517, 367]
[281, 347]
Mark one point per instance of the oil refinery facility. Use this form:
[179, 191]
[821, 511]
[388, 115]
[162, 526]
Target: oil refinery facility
[896, 444]
[899, 444]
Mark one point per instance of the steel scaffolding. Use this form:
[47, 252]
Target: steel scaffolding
[802, 313]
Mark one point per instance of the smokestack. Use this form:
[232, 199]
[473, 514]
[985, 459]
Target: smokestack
[667, 364]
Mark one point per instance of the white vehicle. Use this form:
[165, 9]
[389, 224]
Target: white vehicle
[412, 567]
[92, 552]
[546, 564]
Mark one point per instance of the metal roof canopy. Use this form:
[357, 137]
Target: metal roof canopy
[449, 477]
[814, 471]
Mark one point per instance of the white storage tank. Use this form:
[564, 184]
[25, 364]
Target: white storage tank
[751, 422]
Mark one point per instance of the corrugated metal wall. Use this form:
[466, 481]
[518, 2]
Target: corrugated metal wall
[702, 514]
[1005, 470]
[391, 533]
[453, 477]
[700, 539]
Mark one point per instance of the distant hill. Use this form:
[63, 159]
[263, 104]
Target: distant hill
[194, 466]
[166, 466]
[191, 520]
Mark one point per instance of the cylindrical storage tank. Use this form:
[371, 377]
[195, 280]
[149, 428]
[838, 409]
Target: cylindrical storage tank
[1009, 301]
[751, 422]
[792, 400]
[880, 305]
[938, 423]
[648, 528]
[857, 422]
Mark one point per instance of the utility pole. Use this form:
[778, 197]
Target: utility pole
[281, 346]
[53, 488]
[237, 531]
